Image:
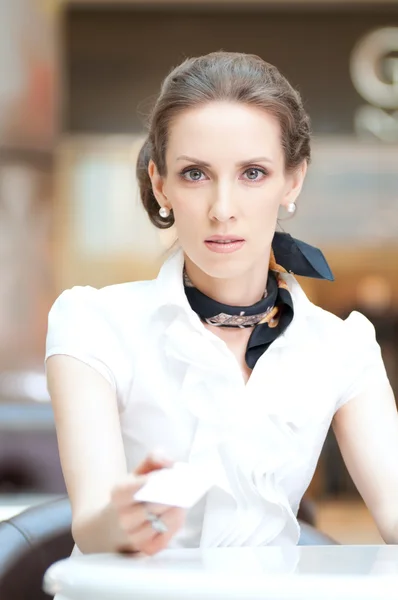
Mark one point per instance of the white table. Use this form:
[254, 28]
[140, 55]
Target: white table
[268, 573]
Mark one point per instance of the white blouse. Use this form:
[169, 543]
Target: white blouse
[178, 386]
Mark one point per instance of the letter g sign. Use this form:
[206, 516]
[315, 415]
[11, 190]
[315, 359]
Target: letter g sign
[374, 68]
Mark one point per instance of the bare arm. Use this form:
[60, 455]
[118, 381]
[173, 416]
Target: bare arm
[104, 516]
[90, 446]
[366, 428]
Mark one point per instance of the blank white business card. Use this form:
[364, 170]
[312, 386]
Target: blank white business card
[182, 485]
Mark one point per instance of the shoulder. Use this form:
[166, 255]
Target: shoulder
[331, 324]
[105, 318]
[355, 330]
[100, 327]
[326, 328]
[339, 346]
[110, 302]
[351, 353]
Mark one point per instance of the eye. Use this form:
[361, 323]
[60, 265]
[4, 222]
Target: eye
[191, 174]
[253, 174]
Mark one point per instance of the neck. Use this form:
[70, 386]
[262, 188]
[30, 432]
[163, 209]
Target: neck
[243, 290]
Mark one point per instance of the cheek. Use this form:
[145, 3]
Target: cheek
[187, 206]
[188, 215]
[264, 202]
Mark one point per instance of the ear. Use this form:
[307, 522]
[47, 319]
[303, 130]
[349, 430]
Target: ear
[295, 184]
[157, 184]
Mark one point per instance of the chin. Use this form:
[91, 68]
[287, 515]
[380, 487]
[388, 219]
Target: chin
[220, 266]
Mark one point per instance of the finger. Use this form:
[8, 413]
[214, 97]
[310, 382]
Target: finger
[153, 462]
[135, 515]
[122, 495]
[143, 538]
[174, 519]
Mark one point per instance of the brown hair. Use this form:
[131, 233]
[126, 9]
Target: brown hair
[222, 76]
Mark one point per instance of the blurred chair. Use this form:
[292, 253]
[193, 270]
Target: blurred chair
[307, 511]
[29, 543]
[310, 536]
[41, 535]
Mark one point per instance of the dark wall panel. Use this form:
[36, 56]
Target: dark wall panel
[115, 59]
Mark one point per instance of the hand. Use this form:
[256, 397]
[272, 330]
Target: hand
[132, 517]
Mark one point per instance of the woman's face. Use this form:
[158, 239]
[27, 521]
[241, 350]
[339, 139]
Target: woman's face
[225, 177]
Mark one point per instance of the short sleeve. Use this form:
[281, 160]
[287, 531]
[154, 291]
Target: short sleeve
[362, 366]
[78, 326]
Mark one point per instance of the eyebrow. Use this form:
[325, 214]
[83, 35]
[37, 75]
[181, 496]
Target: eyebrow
[239, 164]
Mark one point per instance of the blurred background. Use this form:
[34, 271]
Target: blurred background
[76, 81]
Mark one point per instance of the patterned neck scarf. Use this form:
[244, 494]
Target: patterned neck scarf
[271, 315]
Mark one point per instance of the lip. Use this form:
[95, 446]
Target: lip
[224, 245]
[223, 238]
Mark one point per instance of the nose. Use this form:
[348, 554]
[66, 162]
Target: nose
[222, 206]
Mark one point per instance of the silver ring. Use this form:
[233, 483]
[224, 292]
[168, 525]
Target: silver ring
[156, 523]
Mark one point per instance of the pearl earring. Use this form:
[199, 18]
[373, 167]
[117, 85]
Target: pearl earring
[164, 212]
[291, 208]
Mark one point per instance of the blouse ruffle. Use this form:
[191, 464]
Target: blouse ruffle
[244, 453]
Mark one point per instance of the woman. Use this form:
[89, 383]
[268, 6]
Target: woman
[222, 360]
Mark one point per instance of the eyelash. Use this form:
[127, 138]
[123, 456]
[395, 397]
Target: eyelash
[252, 168]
